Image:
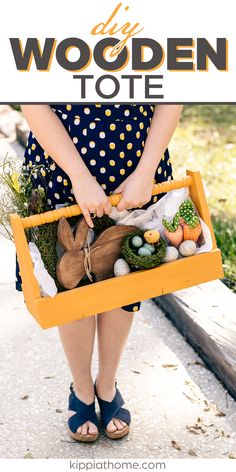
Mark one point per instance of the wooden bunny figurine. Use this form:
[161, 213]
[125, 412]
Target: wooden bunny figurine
[79, 260]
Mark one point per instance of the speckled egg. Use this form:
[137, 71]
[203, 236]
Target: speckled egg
[121, 267]
[137, 241]
[187, 248]
[143, 251]
[149, 247]
[171, 254]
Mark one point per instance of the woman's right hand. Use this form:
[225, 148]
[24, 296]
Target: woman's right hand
[90, 197]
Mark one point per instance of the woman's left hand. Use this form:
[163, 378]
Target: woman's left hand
[136, 190]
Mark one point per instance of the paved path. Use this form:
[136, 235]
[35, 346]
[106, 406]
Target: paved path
[178, 408]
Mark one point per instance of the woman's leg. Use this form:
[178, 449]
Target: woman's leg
[113, 328]
[78, 340]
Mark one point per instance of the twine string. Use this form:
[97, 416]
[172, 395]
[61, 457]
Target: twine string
[87, 259]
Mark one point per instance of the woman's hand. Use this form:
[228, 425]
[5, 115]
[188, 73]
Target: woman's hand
[136, 190]
[90, 197]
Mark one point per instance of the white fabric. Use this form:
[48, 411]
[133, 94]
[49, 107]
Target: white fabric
[166, 207]
[46, 282]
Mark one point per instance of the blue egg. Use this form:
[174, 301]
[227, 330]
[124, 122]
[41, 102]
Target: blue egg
[143, 251]
[137, 241]
[149, 247]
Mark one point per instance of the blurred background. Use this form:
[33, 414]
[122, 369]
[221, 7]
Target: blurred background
[205, 140]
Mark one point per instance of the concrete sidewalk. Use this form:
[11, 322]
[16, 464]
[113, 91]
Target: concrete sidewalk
[178, 408]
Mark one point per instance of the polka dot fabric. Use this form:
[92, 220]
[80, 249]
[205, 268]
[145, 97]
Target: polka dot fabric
[110, 140]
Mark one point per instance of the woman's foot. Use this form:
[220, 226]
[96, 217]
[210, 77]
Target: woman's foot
[86, 395]
[106, 392]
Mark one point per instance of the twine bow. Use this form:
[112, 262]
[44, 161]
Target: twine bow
[87, 259]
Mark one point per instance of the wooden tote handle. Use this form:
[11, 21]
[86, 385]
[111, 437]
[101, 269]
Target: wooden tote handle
[74, 210]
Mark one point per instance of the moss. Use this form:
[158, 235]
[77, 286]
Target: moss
[103, 222]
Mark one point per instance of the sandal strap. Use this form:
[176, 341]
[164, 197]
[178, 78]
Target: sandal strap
[83, 413]
[113, 409]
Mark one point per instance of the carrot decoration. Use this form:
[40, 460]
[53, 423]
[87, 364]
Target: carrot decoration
[173, 231]
[192, 226]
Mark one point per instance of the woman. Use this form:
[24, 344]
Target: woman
[87, 153]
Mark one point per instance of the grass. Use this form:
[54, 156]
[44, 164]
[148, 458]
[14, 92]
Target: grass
[205, 140]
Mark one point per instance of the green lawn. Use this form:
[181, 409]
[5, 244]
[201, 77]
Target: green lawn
[205, 140]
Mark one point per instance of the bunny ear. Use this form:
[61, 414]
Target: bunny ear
[81, 233]
[65, 235]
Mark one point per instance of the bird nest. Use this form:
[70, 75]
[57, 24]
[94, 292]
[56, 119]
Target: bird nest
[142, 262]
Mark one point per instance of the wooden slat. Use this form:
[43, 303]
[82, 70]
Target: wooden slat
[111, 293]
[206, 316]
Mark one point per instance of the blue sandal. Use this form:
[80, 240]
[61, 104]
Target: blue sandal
[83, 413]
[111, 410]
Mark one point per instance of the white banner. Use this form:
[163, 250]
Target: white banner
[64, 465]
[113, 51]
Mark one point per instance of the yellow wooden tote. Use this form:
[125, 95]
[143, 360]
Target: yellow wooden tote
[102, 296]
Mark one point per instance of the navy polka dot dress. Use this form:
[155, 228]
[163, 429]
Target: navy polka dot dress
[110, 140]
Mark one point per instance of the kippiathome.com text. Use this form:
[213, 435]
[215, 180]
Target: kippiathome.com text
[116, 465]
